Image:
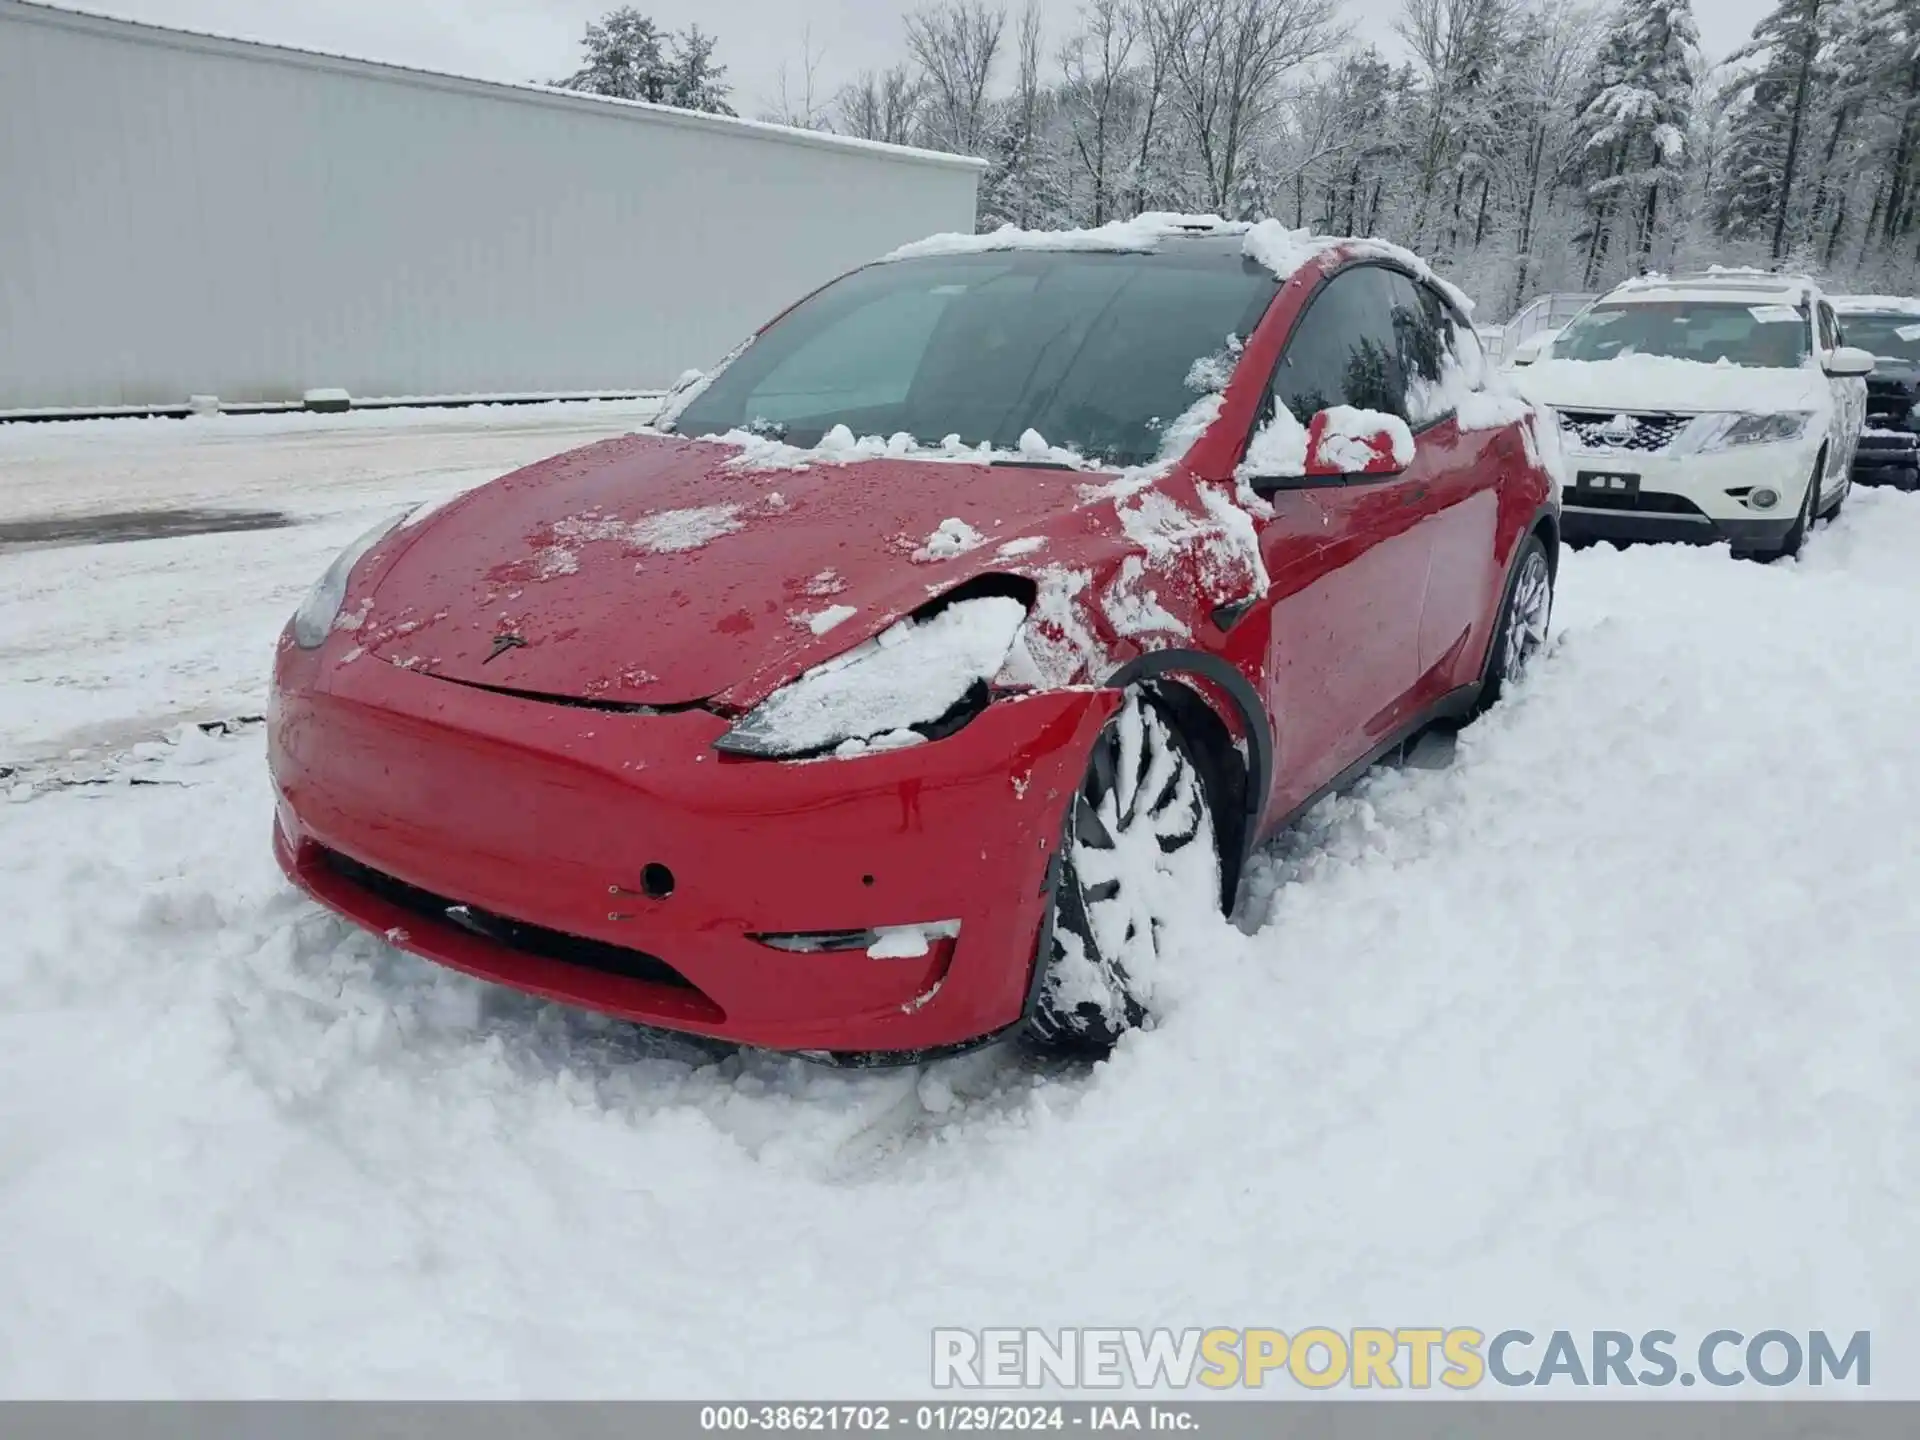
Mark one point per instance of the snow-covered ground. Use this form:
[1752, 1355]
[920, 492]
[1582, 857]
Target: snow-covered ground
[1606, 1020]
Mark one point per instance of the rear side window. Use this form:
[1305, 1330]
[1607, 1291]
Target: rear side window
[1347, 349]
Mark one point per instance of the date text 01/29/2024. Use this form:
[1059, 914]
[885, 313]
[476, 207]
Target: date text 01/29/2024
[934, 1418]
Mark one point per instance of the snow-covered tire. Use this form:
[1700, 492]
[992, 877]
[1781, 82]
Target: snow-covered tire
[1140, 844]
[1521, 629]
[1791, 542]
[1832, 512]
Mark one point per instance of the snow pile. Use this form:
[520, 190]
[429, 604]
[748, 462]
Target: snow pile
[1875, 304]
[1346, 440]
[910, 942]
[911, 673]
[1142, 234]
[1133, 607]
[1056, 647]
[1278, 447]
[249, 1151]
[664, 532]
[821, 621]
[952, 537]
[840, 446]
[1286, 252]
[1630, 382]
[1281, 250]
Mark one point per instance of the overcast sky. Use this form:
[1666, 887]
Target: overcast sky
[539, 39]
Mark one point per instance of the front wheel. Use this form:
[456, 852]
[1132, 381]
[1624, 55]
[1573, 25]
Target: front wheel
[1139, 847]
[1520, 630]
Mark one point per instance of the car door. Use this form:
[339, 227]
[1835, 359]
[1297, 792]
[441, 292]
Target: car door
[1346, 557]
[1849, 406]
[1459, 500]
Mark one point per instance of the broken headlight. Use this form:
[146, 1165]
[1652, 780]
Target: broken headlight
[909, 683]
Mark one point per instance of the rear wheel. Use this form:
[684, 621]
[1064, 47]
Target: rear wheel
[1139, 847]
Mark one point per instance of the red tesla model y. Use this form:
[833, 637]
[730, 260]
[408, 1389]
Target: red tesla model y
[868, 704]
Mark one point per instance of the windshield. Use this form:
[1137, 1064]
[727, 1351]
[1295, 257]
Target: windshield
[1894, 337]
[1096, 352]
[1771, 335]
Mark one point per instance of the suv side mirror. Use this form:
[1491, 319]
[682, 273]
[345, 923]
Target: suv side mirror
[1345, 441]
[1532, 348]
[1849, 361]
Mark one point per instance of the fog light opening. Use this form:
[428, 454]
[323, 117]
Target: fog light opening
[1763, 497]
[656, 881]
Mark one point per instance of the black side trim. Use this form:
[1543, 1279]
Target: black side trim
[1453, 705]
[1253, 719]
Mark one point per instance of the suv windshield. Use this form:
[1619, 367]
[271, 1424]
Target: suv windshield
[1894, 337]
[1096, 352]
[1771, 335]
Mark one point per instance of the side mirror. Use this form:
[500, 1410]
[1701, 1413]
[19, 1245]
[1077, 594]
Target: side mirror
[1345, 441]
[1849, 361]
[1532, 348]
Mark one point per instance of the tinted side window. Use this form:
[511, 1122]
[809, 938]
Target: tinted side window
[1829, 327]
[1428, 347]
[1346, 349]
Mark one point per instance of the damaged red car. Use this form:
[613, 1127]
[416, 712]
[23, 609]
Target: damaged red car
[891, 693]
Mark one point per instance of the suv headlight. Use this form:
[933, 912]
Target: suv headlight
[915, 680]
[1731, 430]
[315, 617]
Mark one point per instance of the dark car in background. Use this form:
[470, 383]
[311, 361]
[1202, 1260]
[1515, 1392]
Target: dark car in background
[1889, 327]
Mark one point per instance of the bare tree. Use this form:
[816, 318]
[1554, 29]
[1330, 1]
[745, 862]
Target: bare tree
[1097, 92]
[954, 44]
[1225, 63]
[883, 106]
[802, 111]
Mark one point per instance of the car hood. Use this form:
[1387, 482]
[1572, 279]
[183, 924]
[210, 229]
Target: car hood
[1659, 384]
[656, 570]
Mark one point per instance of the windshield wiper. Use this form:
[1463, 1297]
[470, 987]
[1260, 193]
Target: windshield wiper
[1020, 463]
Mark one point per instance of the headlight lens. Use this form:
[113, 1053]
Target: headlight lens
[315, 617]
[912, 677]
[1729, 431]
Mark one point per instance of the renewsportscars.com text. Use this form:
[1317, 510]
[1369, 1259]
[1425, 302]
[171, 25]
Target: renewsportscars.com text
[1414, 1358]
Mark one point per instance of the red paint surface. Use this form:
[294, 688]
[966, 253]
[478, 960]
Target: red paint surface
[1382, 599]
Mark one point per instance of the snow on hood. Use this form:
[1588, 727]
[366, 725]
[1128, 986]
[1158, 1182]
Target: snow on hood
[1662, 383]
[661, 570]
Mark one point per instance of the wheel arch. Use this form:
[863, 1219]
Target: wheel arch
[1240, 782]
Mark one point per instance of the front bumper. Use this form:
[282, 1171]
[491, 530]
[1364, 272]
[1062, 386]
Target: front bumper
[399, 794]
[1694, 499]
[1888, 457]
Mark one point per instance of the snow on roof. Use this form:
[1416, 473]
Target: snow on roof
[1876, 304]
[1719, 285]
[1267, 242]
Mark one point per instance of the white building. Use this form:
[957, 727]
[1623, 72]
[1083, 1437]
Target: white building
[182, 215]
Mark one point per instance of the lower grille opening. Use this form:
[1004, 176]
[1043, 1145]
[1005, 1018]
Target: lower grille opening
[512, 934]
[1646, 502]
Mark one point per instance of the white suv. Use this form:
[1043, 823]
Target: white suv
[1721, 406]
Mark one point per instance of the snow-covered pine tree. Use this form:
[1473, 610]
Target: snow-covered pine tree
[629, 58]
[697, 83]
[1632, 130]
[1771, 101]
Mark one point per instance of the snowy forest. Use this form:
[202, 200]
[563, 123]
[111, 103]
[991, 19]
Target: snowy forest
[1522, 145]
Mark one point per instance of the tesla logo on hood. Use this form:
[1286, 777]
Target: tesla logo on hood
[502, 643]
